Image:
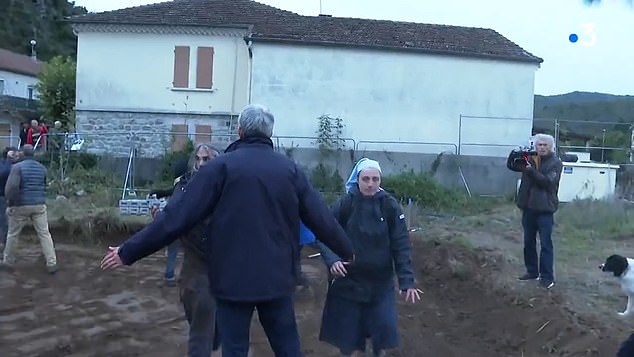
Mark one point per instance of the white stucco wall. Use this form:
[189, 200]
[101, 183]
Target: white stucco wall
[17, 85]
[395, 96]
[133, 71]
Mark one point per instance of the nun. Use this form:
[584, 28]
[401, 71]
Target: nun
[361, 299]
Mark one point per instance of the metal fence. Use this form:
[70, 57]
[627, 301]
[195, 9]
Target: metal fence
[476, 135]
[491, 136]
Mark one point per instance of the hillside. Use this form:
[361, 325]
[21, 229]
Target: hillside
[585, 107]
[584, 116]
[24, 20]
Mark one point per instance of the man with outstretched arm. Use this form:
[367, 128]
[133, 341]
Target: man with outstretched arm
[254, 199]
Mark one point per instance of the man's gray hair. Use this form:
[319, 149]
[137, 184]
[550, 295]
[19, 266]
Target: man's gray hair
[545, 138]
[27, 150]
[256, 120]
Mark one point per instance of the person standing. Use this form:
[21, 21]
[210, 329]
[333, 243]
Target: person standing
[361, 299]
[538, 200]
[180, 169]
[8, 158]
[254, 199]
[25, 193]
[198, 303]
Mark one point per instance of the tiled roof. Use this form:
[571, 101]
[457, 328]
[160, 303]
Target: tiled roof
[268, 23]
[17, 63]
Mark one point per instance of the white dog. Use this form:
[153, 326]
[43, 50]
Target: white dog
[621, 267]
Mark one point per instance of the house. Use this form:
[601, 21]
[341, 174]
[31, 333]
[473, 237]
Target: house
[185, 68]
[18, 76]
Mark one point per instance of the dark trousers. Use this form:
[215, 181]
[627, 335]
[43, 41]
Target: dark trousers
[537, 222]
[200, 310]
[627, 348]
[172, 255]
[277, 317]
[4, 224]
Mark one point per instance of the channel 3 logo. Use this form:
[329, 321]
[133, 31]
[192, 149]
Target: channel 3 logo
[587, 37]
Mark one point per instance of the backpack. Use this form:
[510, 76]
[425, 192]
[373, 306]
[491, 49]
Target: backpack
[387, 210]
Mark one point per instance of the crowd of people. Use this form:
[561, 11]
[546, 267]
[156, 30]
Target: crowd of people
[241, 217]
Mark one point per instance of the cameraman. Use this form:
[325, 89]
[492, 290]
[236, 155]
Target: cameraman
[538, 200]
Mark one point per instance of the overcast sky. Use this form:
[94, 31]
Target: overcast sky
[604, 63]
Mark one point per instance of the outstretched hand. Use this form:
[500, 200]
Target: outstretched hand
[412, 294]
[111, 260]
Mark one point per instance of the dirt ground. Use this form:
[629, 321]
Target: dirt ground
[472, 304]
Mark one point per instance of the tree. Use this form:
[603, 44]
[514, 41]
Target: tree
[56, 91]
[617, 140]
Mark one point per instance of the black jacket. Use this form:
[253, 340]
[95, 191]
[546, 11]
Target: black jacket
[539, 187]
[5, 170]
[254, 198]
[378, 232]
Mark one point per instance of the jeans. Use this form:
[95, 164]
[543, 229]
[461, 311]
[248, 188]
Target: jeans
[200, 310]
[277, 317]
[172, 254]
[4, 223]
[538, 222]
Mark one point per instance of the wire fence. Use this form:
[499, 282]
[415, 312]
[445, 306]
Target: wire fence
[136, 160]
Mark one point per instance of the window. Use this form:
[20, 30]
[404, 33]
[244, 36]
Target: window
[179, 136]
[181, 67]
[1, 86]
[203, 134]
[30, 90]
[204, 67]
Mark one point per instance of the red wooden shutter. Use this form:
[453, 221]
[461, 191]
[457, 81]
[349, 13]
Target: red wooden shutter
[181, 67]
[205, 67]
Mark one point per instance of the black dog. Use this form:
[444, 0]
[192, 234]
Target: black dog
[620, 267]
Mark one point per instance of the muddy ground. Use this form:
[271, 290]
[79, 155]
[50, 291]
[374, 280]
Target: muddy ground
[472, 304]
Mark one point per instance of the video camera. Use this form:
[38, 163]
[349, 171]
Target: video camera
[519, 157]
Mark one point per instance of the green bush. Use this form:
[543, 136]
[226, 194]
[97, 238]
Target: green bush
[172, 157]
[423, 189]
[325, 179]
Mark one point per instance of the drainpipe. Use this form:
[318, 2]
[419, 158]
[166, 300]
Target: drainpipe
[249, 42]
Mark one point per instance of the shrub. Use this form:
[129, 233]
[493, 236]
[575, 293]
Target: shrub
[170, 159]
[423, 189]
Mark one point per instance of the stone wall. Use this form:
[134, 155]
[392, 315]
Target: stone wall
[115, 133]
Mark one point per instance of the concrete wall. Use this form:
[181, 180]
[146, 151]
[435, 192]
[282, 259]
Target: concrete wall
[397, 97]
[131, 68]
[483, 175]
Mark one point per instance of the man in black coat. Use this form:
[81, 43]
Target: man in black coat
[253, 199]
[538, 200]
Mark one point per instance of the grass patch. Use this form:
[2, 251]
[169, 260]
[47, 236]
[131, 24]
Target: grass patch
[596, 219]
[429, 195]
[80, 220]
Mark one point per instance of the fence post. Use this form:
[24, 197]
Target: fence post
[556, 134]
[459, 135]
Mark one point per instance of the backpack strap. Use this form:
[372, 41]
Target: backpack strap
[346, 210]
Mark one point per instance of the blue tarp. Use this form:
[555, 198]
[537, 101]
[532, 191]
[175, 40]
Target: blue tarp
[305, 235]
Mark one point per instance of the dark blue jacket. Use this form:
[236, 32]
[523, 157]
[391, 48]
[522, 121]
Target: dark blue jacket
[381, 242]
[254, 199]
[5, 169]
[26, 185]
